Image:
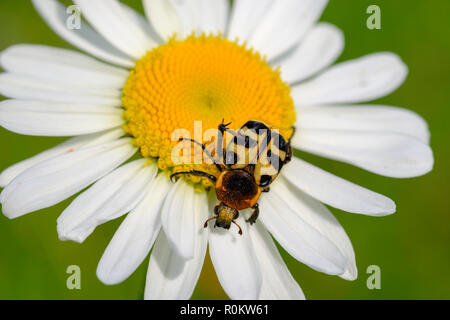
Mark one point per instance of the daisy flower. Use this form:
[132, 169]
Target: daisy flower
[202, 60]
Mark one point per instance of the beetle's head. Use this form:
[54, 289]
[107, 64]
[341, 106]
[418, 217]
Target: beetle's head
[224, 216]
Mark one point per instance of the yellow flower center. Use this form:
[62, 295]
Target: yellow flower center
[202, 78]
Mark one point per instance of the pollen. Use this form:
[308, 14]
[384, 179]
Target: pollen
[202, 79]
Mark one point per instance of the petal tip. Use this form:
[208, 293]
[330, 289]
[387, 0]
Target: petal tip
[69, 235]
[107, 278]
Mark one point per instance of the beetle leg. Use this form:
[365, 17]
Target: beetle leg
[255, 215]
[289, 149]
[211, 178]
[205, 150]
[266, 189]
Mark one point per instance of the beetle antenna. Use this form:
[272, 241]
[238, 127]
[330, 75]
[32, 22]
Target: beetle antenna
[207, 221]
[240, 230]
[225, 125]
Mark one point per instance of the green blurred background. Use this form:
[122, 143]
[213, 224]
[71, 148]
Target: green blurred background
[412, 247]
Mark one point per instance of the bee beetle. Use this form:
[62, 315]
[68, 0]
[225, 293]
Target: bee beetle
[247, 166]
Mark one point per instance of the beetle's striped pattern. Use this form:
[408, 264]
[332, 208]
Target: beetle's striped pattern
[258, 149]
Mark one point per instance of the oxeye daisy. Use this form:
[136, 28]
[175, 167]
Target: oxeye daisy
[141, 79]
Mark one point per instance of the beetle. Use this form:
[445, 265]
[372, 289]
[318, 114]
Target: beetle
[247, 167]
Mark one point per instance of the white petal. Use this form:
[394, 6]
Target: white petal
[368, 78]
[319, 217]
[188, 14]
[178, 218]
[336, 192]
[169, 276]
[245, 16]
[142, 22]
[61, 65]
[111, 197]
[163, 17]
[185, 17]
[302, 240]
[85, 38]
[234, 259]
[285, 24]
[135, 237]
[68, 146]
[30, 88]
[59, 178]
[57, 119]
[387, 154]
[115, 23]
[321, 47]
[277, 283]
[213, 15]
[364, 118]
